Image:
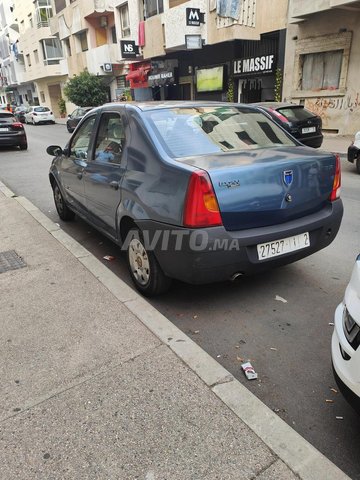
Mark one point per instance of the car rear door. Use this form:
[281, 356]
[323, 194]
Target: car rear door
[73, 164]
[104, 173]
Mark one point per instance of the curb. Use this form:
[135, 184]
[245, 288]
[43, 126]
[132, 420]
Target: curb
[296, 452]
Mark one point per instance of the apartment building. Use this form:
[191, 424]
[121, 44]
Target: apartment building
[206, 49]
[322, 61]
[11, 61]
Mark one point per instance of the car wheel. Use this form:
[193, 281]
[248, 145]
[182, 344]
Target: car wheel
[70, 130]
[358, 164]
[63, 210]
[23, 146]
[144, 269]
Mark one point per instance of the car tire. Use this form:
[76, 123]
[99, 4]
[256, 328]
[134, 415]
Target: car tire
[70, 130]
[23, 146]
[143, 266]
[358, 164]
[63, 210]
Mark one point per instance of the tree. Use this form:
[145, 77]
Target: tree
[86, 90]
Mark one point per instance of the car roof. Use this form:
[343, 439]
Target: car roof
[159, 105]
[277, 105]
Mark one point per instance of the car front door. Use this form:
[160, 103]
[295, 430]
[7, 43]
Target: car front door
[73, 164]
[104, 173]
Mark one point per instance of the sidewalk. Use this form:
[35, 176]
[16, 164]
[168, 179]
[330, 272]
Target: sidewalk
[337, 143]
[97, 384]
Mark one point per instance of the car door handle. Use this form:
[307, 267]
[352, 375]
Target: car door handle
[114, 185]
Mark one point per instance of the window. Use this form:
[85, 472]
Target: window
[42, 97]
[79, 147]
[67, 46]
[59, 5]
[43, 12]
[113, 35]
[36, 56]
[153, 7]
[321, 65]
[28, 60]
[22, 26]
[321, 71]
[83, 43]
[110, 139]
[31, 24]
[124, 20]
[52, 51]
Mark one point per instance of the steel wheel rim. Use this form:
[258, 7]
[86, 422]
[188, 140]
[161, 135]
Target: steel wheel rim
[139, 262]
[58, 199]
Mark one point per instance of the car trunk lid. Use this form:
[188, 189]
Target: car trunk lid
[268, 186]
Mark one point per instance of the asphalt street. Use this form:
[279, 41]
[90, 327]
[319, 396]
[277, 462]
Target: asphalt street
[280, 320]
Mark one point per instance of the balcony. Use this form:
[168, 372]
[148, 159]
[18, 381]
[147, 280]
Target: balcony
[301, 9]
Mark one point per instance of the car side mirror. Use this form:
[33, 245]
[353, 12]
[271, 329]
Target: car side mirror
[54, 150]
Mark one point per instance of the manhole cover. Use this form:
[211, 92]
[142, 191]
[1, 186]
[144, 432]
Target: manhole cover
[10, 260]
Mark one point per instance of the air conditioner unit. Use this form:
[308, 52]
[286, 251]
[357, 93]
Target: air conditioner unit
[103, 22]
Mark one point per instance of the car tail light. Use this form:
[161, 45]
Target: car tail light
[201, 206]
[280, 116]
[335, 194]
[17, 126]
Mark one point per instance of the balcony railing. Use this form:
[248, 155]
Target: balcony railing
[43, 24]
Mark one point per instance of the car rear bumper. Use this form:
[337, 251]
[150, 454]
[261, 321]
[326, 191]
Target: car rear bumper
[13, 140]
[353, 153]
[314, 142]
[214, 254]
[345, 362]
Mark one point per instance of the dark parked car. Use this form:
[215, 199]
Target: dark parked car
[12, 133]
[199, 192]
[353, 154]
[75, 118]
[19, 113]
[297, 120]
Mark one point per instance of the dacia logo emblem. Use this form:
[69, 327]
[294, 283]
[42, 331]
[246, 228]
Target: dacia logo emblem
[288, 177]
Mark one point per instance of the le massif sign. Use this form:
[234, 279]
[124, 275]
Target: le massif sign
[248, 66]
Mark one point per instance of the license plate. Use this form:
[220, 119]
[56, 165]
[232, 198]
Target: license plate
[4, 129]
[308, 130]
[282, 246]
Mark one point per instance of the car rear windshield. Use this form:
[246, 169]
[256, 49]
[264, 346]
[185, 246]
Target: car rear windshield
[294, 114]
[41, 109]
[7, 118]
[203, 130]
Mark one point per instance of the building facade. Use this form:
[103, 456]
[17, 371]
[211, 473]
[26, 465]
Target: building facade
[322, 61]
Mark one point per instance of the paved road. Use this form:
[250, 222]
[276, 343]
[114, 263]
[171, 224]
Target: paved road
[288, 343]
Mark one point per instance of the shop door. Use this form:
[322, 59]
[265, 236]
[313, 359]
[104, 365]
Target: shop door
[250, 90]
[185, 91]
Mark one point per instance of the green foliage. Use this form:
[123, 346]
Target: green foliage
[230, 90]
[278, 85]
[62, 106]
[86, 90]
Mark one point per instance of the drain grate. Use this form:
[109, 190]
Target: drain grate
[10, 260]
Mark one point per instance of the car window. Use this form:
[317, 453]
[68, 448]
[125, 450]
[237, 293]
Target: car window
[6, 118]
[41, 109]
[79, 147]
[295, 113]
[202, 130]
[74, 113]
[110, 139]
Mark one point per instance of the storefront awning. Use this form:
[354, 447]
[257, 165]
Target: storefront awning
[138, 75]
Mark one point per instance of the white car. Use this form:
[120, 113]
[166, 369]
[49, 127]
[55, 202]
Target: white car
[353, 154]
[345, 346]
[36, 115]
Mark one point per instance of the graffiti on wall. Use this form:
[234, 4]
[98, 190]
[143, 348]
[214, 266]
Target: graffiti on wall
[328, 108]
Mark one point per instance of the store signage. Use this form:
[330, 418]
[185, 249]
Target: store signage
[161, 78]
[263, 64]
[107, 67]
[129, 49]
[194, 17]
